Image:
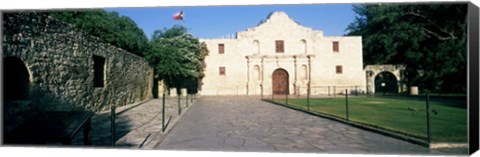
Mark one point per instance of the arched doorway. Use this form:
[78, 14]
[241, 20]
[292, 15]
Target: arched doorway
[386, 82]
[16, 79]
[280, 81]
[374, 81]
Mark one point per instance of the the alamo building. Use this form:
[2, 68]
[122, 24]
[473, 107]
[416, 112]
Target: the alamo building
[282, 57]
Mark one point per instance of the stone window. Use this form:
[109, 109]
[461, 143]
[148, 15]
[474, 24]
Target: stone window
[98, 71]
[279, 47]
[256, 46]
[335, 46]
[221, 48]
[303, 46]
[339, 69]
[222, 71]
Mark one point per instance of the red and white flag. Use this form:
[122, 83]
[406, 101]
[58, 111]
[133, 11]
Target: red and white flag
[178, 16]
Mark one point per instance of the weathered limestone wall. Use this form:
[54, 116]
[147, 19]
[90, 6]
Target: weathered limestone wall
[59, 59]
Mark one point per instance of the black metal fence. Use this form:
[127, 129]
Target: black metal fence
[329, 91]
[410, 117]
[187, 99]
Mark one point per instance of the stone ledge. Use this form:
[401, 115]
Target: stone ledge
[448, 145]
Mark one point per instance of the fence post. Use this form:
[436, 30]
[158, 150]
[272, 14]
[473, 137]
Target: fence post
[272, 97]
[298, 91]
[163, 112]
[328, 90]
[112, 123]
[356, 91]
[346, 103]
[428, 117]
[334, 91]
[261, 91]
[286, 99]
[308, 97]
[179, 107]
[186, 99]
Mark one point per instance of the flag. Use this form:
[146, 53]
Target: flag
[178, 16]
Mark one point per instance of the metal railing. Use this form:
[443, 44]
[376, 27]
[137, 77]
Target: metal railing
[411, 117]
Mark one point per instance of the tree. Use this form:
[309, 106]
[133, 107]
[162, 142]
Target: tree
[429, 39]
[176, 57]
[201, 56]
[203, 53]
[117, 30]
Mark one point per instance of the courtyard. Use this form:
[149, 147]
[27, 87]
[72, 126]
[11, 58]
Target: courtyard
[249, 124]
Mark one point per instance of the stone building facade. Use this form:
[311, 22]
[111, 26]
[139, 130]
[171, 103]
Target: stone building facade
[51, 65]
[282, 57]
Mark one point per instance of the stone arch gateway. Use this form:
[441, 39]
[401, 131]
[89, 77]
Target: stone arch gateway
[372, 71]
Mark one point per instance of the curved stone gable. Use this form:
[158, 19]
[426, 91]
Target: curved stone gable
[280, 25]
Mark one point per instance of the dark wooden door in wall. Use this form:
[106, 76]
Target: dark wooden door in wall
[280, 81]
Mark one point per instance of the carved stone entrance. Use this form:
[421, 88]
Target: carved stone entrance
[280, 82]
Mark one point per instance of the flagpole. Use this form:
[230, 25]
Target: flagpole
[179, 16]
[183, 19]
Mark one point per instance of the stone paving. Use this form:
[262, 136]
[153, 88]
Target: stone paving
[138, 125]
[248, 124]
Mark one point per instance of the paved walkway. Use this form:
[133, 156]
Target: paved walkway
[248, 124]
[138, 125]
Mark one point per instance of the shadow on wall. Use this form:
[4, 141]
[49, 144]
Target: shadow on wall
[17, 112]
[101, 130]
[23, 99]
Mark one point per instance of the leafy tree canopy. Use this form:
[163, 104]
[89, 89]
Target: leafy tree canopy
[176, 55]
[117, 30]
[430, 39]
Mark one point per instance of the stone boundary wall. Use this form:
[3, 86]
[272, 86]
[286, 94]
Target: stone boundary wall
[59, 59]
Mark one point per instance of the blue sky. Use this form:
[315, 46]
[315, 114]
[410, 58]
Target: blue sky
[217, 21]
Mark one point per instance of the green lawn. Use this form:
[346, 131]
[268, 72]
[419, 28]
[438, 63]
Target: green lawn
[448, 125]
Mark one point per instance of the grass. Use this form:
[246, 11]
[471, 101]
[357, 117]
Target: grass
[405, 116]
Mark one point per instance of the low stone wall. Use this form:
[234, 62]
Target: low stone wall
[60, 61]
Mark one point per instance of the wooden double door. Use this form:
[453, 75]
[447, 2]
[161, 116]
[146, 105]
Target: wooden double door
[280, 82]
